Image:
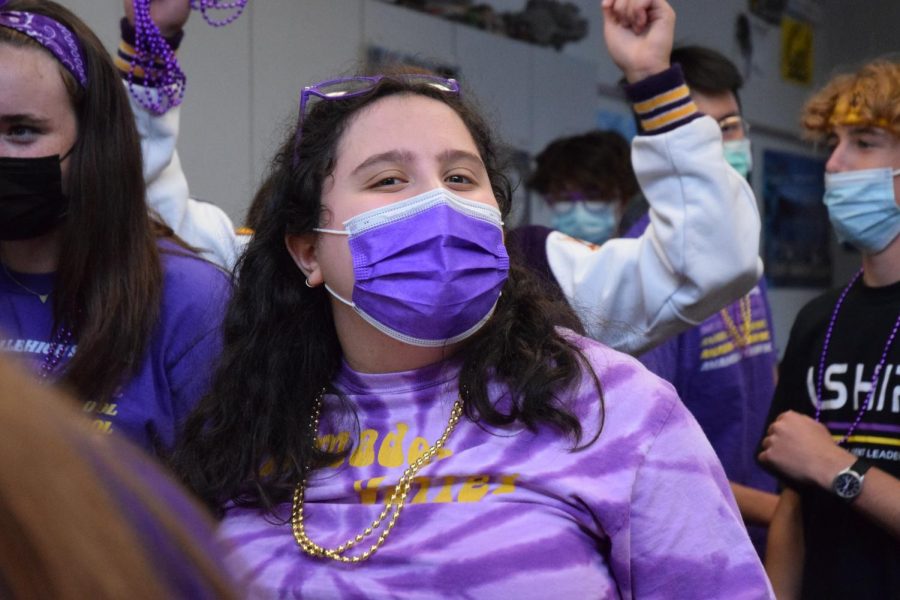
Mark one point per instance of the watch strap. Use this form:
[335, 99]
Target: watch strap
[860, 466]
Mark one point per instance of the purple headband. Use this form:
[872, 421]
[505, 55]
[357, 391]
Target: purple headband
[50, 34]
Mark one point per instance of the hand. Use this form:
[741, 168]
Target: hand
[803, 450]
[169, 15]
[639, 35]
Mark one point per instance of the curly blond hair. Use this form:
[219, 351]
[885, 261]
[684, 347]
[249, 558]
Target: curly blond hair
[868, 97]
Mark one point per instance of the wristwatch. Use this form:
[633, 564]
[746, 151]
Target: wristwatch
[847, 484]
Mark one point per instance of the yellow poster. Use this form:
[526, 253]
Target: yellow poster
[796, 50]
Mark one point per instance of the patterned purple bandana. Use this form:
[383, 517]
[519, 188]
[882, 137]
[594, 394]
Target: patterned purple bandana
[50, 34]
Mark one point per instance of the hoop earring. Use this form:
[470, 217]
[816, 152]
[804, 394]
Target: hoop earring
[307, 283]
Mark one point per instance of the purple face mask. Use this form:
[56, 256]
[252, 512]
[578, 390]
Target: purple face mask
[429, 269]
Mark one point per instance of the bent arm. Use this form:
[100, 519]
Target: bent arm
[880, 500]
[701, 249]
[203, 225]
[756, 506]
[804, 450]
[784, 550]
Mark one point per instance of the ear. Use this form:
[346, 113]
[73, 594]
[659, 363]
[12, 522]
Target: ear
[302, 248]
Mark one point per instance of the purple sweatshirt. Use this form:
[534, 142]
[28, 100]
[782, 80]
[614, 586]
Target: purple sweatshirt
[643, 512]
[176, 368]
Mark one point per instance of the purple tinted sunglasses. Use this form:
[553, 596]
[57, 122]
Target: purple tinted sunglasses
[348, 87]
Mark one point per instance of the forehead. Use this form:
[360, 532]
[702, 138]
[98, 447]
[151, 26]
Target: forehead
[851, 131]
[30, 80]
[408, 121]
[716, 106]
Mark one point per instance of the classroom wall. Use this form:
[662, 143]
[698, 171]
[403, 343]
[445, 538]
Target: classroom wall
[244, 80]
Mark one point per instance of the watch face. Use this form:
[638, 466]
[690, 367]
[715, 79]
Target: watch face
[847, 485]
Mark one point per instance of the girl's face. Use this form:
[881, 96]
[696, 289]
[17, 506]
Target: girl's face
[36, 115]
[394, 149]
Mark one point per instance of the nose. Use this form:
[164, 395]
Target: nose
[835, 162]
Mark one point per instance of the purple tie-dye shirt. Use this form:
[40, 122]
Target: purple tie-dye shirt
[643, 512]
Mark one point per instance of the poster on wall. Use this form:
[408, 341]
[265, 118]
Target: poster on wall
[797, 249]
[620, 122]
[769, 11]
[796, 50]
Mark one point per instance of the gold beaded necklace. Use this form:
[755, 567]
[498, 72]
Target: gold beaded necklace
[741, 338]
[393, 506]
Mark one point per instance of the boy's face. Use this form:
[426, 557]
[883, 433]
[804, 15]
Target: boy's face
[725, 110]
[856, 147]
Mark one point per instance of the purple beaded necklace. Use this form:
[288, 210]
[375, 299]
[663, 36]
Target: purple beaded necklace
[153, 55]
[59, 344]
[878, 367]
[204, 6]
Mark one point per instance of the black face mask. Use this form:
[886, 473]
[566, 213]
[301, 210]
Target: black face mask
[31, 199]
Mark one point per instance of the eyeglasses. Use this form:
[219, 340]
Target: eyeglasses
[734, 127]
[349, 87]
[563, 203]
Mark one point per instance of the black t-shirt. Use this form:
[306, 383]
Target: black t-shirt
[847, 556]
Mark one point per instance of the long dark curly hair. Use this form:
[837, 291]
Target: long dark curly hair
[249, 441]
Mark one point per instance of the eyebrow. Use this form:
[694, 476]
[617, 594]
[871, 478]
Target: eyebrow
[23, 118]
[730, 115]
[391, 156]
[868, 131]
[460, 155]
[405, 156]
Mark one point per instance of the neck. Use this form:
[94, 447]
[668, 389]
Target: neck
[883, 268]
[34, 255]
[367, 350]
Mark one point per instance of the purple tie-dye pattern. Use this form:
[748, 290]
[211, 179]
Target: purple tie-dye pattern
[644, 512]
[53, 36]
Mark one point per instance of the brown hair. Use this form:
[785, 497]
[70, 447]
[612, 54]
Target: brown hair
[868, 97]
[597, 162]
[109, 279]
[72, 503]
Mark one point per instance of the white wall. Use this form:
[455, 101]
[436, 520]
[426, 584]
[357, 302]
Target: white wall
[243, 80]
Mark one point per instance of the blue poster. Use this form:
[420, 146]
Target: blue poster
[620, 122]
[797, 248]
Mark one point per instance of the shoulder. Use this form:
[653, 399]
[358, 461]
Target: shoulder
[191, 281]
[815, 313]
[633, 398]
[186, 269]
[606, 361]
[809, 326]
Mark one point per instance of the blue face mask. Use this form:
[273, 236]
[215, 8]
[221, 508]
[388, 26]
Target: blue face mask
[862, 207]
[591, 221]
[739, 155]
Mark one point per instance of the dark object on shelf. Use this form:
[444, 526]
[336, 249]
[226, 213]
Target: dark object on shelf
[547, 23]
[542, 22]
[769, 11]
[482, 16]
